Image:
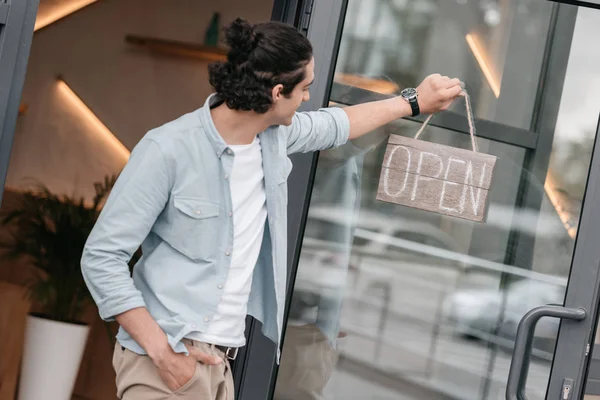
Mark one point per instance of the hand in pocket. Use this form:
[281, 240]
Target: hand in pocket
[176, 369]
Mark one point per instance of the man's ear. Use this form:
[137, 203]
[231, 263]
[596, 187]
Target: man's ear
[276, 93]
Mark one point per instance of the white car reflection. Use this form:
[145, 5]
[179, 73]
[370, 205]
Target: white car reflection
[493, 314]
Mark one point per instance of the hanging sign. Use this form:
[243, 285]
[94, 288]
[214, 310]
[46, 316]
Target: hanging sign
[437, 178]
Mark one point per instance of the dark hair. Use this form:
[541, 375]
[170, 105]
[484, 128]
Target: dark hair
[260, 57]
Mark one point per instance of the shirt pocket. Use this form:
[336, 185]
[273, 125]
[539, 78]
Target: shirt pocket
[194, 228]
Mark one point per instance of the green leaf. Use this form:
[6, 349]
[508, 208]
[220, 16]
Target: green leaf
[50, 232]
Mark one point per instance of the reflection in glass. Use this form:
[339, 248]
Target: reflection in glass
[403, 41]
[397, 303]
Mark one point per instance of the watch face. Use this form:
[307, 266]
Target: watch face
[409, 93]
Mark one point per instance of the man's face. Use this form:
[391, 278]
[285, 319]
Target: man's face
[284, 107]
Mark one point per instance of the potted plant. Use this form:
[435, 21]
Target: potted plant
[50, 231]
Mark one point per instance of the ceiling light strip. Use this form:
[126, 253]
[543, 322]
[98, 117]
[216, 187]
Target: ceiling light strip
[77, 104]
[58, 12]
[482, 60]
[566, 217]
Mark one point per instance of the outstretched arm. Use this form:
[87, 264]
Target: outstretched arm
[436, 93]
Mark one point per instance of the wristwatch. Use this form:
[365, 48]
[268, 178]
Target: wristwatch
[411, 95]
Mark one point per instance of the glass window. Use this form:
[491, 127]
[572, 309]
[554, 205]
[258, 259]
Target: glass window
[415, 305]
[495, 47]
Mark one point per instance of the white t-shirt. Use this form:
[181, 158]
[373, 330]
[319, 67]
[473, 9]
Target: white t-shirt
[249, 216]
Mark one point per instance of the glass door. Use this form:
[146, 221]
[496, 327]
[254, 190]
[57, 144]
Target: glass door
[391, 302]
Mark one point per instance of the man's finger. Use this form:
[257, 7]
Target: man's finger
[204, 358]
[453, 92]
[171, 382]
[454, 82]
[169, 379]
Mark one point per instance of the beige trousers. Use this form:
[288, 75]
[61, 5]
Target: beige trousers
[138, 379]
[307, 364]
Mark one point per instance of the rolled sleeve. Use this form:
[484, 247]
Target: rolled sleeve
[318, 130]
[136, 200]
[128, 299]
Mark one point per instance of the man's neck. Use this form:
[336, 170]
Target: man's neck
[238, 127]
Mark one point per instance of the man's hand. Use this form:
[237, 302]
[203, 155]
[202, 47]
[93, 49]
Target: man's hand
[436, 93]
[178, 369]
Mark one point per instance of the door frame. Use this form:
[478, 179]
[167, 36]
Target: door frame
[17, 20]
[323, 25]
[584, 282]
[575, 342]
[584, 3]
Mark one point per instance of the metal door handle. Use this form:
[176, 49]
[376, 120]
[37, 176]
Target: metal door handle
[519, 366]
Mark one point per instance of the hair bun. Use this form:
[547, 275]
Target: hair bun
[241, 39]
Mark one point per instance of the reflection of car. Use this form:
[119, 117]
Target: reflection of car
[494, 314]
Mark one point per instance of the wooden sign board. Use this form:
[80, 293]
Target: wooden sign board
[437, 178]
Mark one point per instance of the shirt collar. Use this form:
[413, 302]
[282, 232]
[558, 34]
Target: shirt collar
[215, 139]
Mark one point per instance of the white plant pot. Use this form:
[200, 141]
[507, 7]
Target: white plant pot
[51, 358]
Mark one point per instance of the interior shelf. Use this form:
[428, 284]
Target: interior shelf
[177, 48]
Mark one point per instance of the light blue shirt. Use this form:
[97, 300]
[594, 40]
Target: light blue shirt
[173, 198]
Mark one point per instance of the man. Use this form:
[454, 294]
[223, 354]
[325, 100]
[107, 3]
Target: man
[206, 197]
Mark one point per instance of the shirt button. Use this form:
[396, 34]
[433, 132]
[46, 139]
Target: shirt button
[220, 286]
[229, 151]
[226, 177]
[206, 319]
[227, 253]
[230, 214]
[198, 212]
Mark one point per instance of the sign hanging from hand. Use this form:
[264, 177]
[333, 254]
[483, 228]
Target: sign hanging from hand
[437, 178]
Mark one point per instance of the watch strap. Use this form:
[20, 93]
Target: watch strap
[414, 105]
